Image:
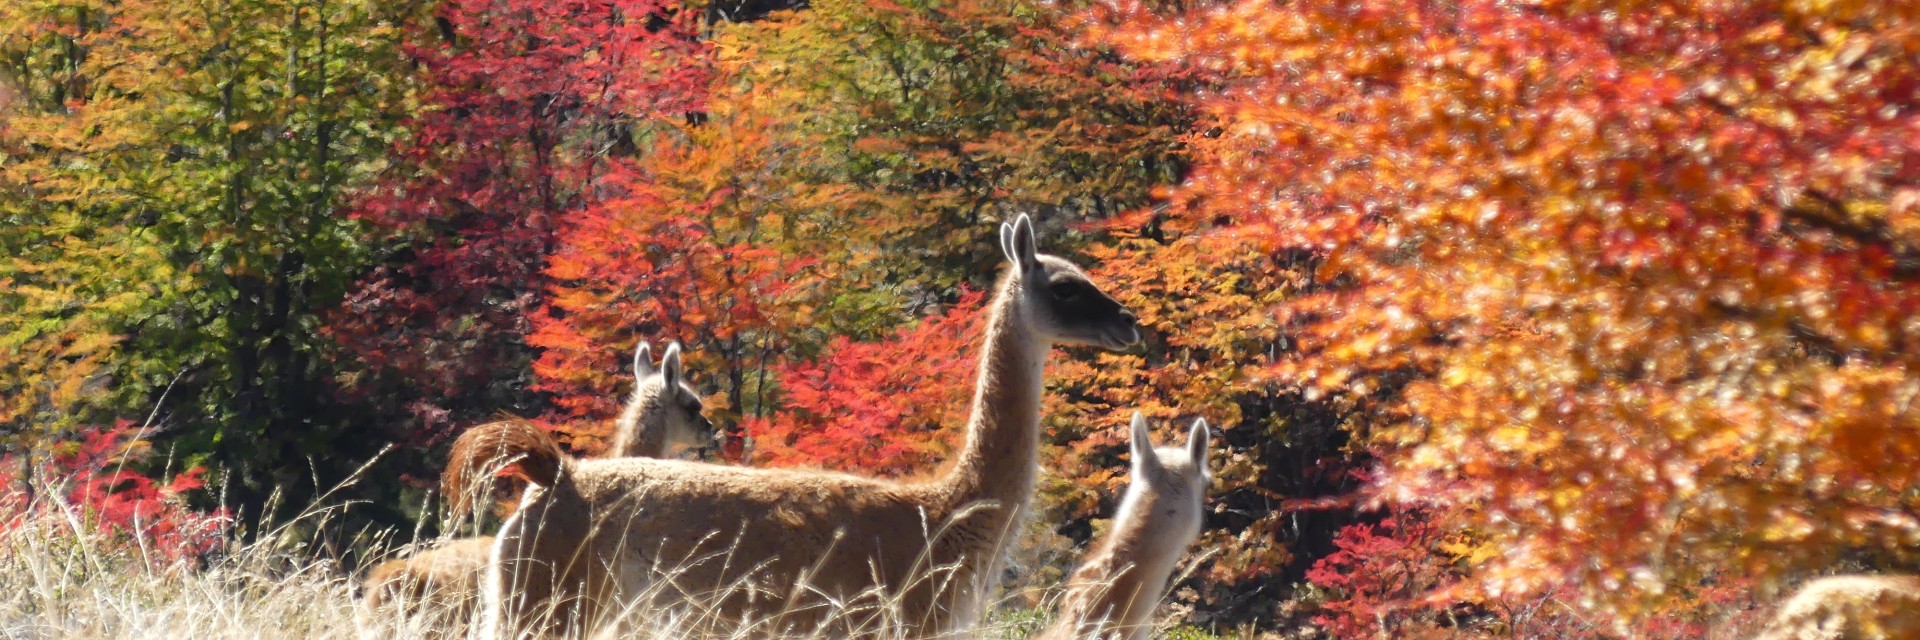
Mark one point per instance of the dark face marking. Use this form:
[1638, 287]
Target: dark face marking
[1077, 301]
[1081, 312]
[697, 416]
[687, 425]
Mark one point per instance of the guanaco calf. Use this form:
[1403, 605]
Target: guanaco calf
[793, 550]
[1850, 607]
[1113, 593]
[662, 414]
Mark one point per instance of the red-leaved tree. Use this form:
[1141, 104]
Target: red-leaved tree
[93, 479]
[890, 407]
[524, 105]
[1404, 576]
[1380, 580]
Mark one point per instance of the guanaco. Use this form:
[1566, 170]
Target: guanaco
[793, 549]
[662, 414]
[1113, 593]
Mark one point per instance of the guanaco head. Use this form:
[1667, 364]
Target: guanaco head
[684, 416]
[1173, 480]
[1064, 303]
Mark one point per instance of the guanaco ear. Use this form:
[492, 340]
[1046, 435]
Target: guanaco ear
[642, 361]
[670, 365]
[1197, 447]
[1006, 243]
[1017, 241]
[1142, 445]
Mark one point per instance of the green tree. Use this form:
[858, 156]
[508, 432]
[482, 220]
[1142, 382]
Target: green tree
[174, 175]
[925, 122]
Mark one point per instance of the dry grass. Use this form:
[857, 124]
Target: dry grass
[62, 577]
[65, 578]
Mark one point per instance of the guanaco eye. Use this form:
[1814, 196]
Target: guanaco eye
[1067, 290]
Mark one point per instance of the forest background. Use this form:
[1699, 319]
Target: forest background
[1536, 318]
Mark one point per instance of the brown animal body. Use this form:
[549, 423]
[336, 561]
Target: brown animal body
[792, 550]
[443, 584]
[1113, 593]
[1850, 607]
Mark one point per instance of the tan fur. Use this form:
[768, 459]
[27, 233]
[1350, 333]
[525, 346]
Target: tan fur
[483, 452]
[443, 582]
[441, 587]
[1850, 607]
[663, 414]
[1113, 593]
[777, 546]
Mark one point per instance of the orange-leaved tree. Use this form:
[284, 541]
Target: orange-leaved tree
[1284, 472]
[689, 250]
[1637, 277]
[895, 406]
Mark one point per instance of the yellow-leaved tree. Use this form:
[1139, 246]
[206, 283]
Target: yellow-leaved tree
[1628, 289]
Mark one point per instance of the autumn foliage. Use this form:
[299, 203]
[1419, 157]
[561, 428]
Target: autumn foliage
[92, 481]
[891, 407]
[526, 109]
[1382, 578]
[686, 251]
[1550, 319]
[1635, 271]
[171, 184]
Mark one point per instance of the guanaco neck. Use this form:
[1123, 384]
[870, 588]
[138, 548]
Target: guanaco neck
[1124, 574]
[641, 431]
[1140, 544]
[1000, 459]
